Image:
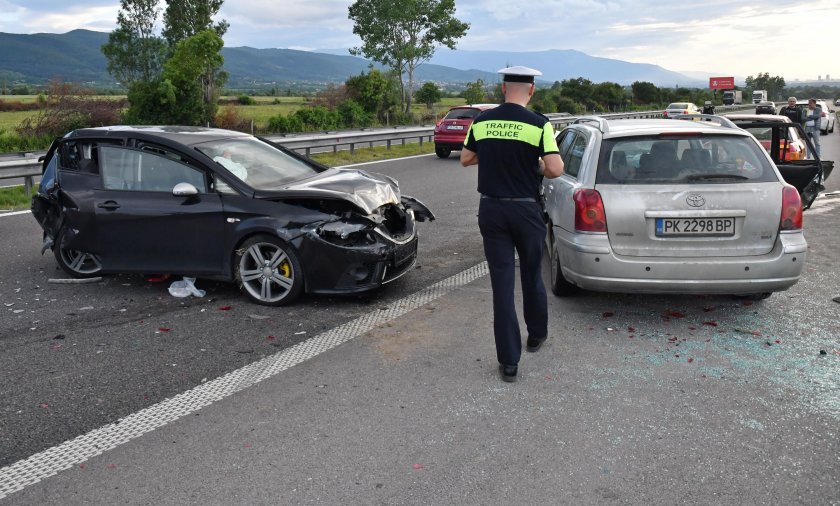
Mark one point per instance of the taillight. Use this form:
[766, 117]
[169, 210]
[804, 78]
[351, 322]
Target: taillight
[589, 211]
[791, 209]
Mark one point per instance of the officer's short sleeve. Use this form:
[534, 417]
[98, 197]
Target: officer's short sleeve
[469, 141]
[549, 143]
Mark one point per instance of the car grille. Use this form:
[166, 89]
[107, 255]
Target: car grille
[402, 258]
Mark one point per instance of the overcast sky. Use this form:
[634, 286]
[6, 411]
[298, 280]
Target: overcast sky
[792, 38]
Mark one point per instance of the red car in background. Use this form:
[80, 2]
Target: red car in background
[451, 130]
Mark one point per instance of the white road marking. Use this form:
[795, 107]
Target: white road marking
[14, 213]
[382, 161]
[26, 472]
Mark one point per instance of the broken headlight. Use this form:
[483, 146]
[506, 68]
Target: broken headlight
[346, 234]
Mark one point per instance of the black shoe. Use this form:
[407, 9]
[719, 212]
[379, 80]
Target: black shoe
[508, 372]
[534, 344]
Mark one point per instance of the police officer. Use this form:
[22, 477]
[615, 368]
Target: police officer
[514, 148]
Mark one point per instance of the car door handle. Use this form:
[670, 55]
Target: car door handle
[550, 187]
[109, 205]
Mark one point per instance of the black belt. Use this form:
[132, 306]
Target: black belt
[510, 199]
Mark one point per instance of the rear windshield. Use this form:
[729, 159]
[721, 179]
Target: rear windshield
[700, 159]
[465, 113]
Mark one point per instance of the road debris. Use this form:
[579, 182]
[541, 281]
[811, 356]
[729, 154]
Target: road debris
[184, 288]
[74, 281]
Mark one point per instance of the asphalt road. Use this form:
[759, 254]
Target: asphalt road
[76, 357]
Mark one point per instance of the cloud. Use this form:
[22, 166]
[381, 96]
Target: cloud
[738, 36]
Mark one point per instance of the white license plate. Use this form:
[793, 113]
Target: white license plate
[455, 127]
[695, 227]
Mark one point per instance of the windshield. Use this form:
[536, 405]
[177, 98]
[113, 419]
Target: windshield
[260, 165]
[683, 159]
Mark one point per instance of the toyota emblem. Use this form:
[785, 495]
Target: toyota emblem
[695, 200]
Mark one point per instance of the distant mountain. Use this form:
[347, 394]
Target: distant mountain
[249, 65]
[560, 64]
[76, 56]
[704, 76]
[37, 58]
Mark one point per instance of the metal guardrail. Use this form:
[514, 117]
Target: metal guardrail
[26, 166]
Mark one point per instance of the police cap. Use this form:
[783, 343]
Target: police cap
[519, 74]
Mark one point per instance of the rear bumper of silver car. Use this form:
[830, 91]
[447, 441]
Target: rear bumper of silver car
[588, 262]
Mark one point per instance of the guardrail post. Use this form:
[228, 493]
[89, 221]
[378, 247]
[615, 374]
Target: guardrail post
[388, 144]
[421, 141]
[27, 185]
[352, 148]
[308, 150]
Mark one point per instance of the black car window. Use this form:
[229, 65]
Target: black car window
[145, 170]
[692, 159]
[81, 155]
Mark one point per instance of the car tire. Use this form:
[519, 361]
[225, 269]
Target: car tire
[756, 296]
[268, 271]
[560, 286]
[78, 264]
[442, 152]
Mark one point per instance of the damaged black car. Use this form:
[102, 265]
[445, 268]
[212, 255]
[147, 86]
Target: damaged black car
[223, 205]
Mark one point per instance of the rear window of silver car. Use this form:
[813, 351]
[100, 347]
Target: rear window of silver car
[682, 159]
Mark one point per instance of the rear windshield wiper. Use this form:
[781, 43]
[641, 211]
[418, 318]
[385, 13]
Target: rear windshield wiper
[701, 177]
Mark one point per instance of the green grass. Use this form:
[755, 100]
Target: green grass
[23, 99]
[9, 120]
[15, 198]
[362, 155]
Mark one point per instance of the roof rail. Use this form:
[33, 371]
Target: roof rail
[600, 122]
[711, 118]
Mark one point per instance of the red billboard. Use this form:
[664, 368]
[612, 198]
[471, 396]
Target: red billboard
[721, 83]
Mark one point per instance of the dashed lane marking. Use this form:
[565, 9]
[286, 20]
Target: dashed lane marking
[51, 461]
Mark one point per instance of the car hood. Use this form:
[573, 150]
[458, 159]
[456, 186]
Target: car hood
[367, 191]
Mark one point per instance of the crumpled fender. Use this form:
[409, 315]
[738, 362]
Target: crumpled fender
[421, 212]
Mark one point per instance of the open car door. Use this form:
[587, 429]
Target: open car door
[793, 153]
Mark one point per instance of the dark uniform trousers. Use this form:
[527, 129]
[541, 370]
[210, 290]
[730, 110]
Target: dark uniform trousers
[507, 225]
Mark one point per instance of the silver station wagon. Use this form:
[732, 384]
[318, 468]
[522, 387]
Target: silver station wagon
[663, 206]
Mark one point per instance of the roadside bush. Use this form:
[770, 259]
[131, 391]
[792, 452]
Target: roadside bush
[285, 124]
[9, 106]
[68, 107]
[317, 118]
[245, 100]
[353, 115]
[228, 118]
[11, 142]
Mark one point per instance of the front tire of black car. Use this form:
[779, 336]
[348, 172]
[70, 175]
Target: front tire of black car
[78, 264]
[442, 152]
[268, 271]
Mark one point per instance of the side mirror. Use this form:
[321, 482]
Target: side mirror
[184, 190]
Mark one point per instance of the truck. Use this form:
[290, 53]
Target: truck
[732, 97]
[759, 96]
